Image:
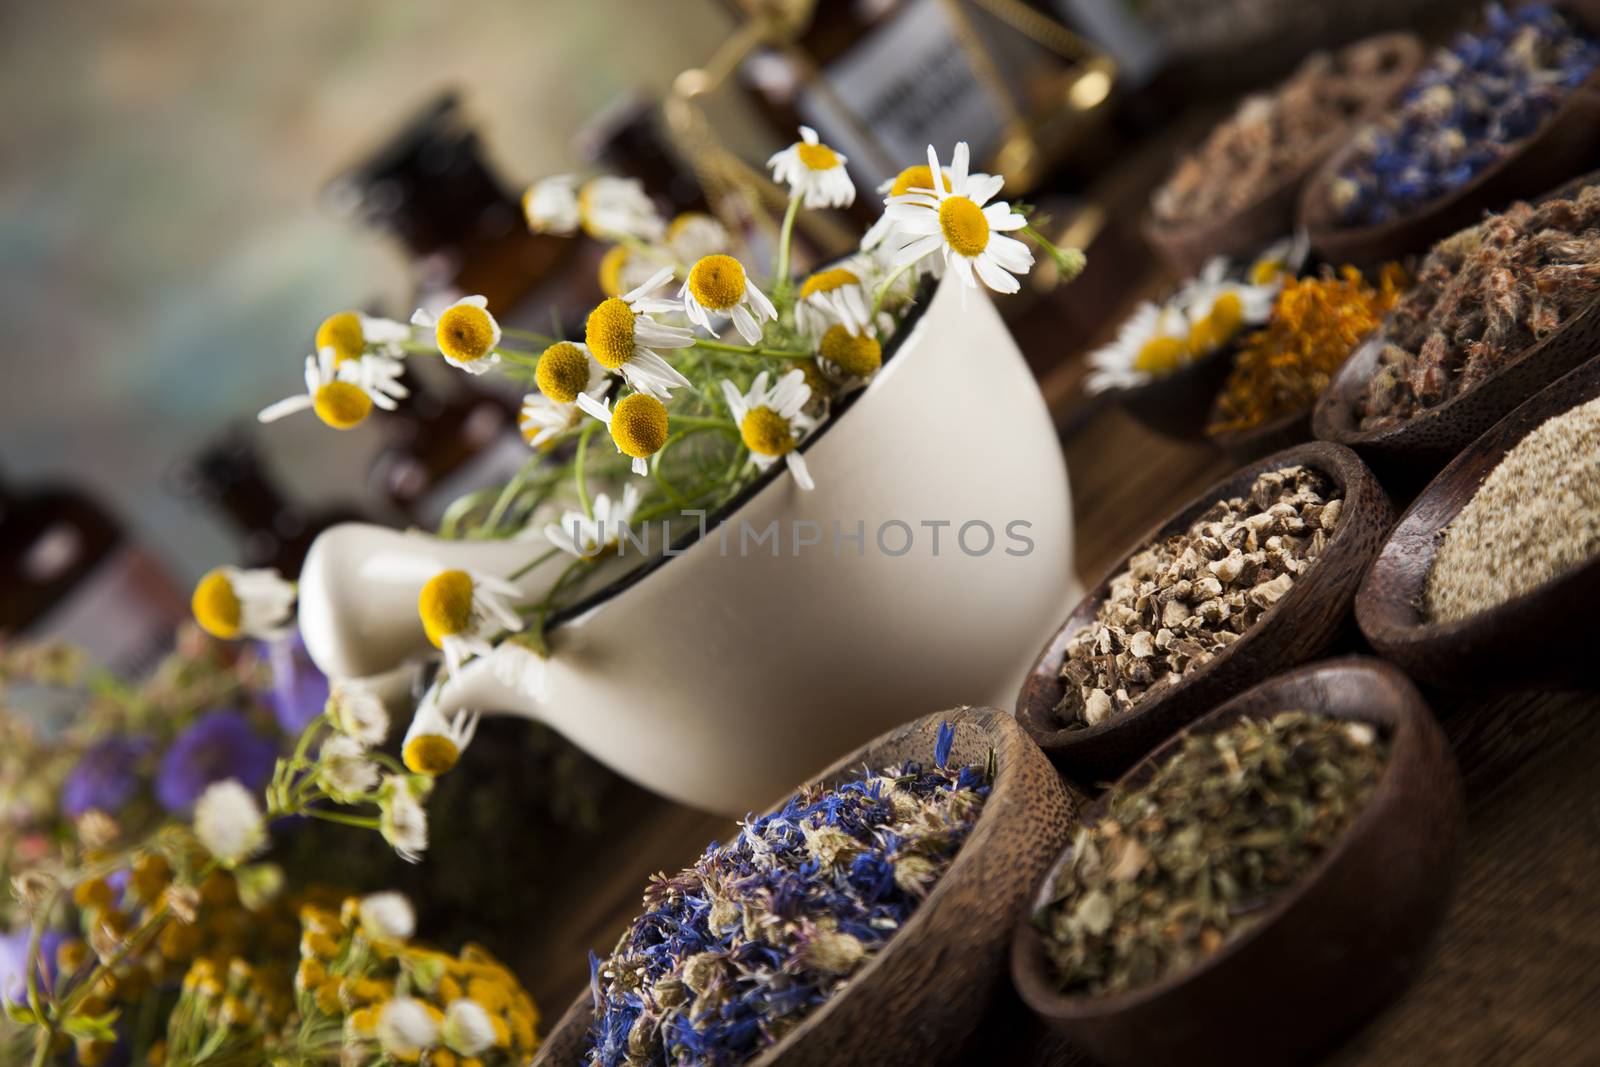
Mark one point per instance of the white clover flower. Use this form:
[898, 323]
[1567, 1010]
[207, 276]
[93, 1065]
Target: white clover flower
[227, 821]
[578, 534]
[772, 423]
[622, 337]
[352, 335]
[230, 602]
[718, 284]
[813, 310]
[465, 332]
[551, 205]
[344, 770]
[467, 1030]
[1154, 340]
[638, 426]
[358, 713]
[613, 208]
[406, 1029]
[695, 234]
[401, 818]
[433, 743]
[814, 172]
[342, 393]
[953, 222]
[462, 610]
[387, 916]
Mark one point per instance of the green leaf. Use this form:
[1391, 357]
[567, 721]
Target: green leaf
[93, 1027]
[21, 1013]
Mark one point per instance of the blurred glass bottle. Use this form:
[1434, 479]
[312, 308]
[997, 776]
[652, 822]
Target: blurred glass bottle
[230, 477]
[70, 571]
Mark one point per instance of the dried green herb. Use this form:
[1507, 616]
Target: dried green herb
[1193, 857]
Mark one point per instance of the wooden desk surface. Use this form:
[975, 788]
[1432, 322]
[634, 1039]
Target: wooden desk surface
[1513, 977]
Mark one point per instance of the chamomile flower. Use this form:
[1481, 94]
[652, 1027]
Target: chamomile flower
[586, 537]
[956, 222]
[351, 335]
[694, 234]
[625, 267]
[465, 332]
[913, 177]
[1219, 308]
[344, 770]
[718, 284]
[433, 743]
[342, 393]
[551, 205]
[462, 610]
[230, 602]
[542, 420]
[638, 425]
[1279, 260]
[813, 311]
[1154, 340]
[406, 1029]
[566, 369]
[814, 172]
[402, 820]
[358, 713]
[387, 916]
[623, 337]
[227, 821]
[847, 347]
[772, 423]
[612, 208]
[467, 1029]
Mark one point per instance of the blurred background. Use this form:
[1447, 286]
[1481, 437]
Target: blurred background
[189, 189]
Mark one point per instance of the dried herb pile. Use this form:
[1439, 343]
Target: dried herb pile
[1474, 103]
[1273, 135]
[732, 953]
[1535, 517]
[1481, 297]
[1183, 600]
[1180, 865]
[1316, 323]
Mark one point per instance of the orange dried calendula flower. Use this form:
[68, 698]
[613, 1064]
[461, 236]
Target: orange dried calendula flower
[1316, 323]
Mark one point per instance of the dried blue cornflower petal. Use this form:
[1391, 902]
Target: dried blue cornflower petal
[730, 954]
[1470, 107]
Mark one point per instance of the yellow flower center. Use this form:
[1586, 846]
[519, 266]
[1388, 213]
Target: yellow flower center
[717, 281]
[854, 355]
[965, 228]
[917, 177]
[820, 385]
[445, 605]
[611, 265]
[465, 333]
[1160, 355]
[563, 372]
[639, 425]
[826, 281]
[342, 333]
[609, 333]
[817, 156]
[765, 432]
[430, 754]
[216, 606]
[1266, 271]
[342, 405]
[1219, 326]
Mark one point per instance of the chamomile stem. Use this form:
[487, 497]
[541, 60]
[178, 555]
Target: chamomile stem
[507, 495]
[780, 276]
[527, 359]
[704, 423]
[1069, 261]
[577, 463]
[528, 566]
[883, 289]
[751, 350]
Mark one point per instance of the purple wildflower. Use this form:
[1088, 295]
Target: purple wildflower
[106, 776]
[299, 691]
[216, 746]
[14, 963]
